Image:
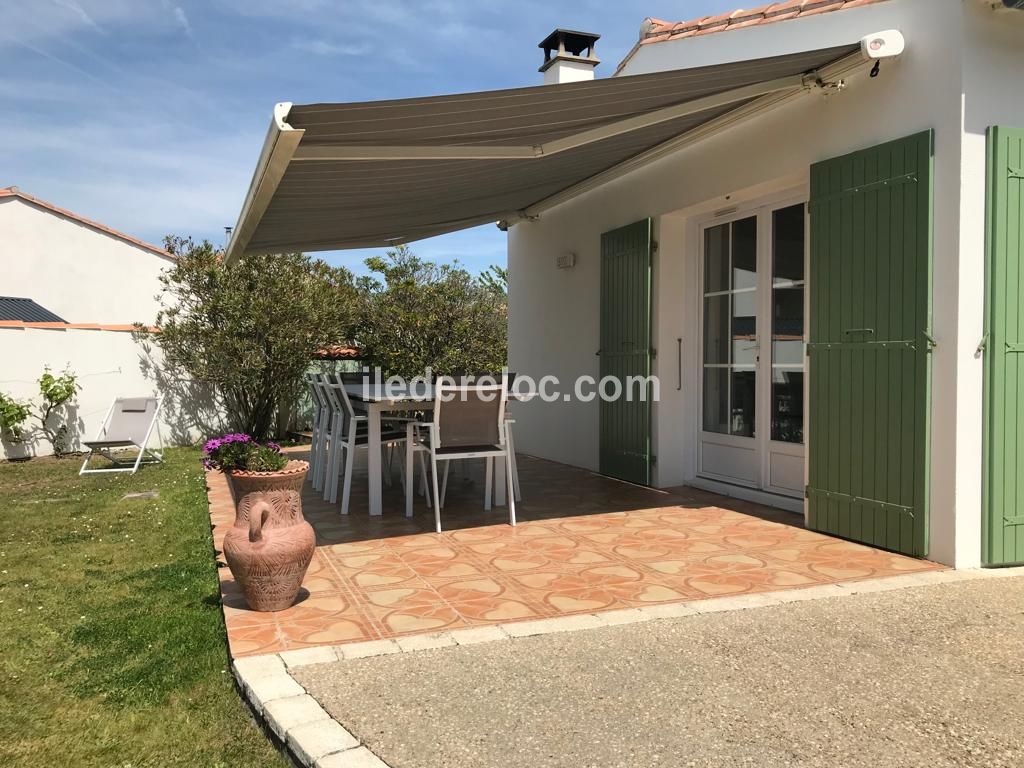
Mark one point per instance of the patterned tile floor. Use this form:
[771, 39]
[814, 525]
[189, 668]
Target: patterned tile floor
[584, 543]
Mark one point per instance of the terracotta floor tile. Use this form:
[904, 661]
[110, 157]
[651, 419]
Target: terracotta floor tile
[497, 610]
[462, 569]
[330, 629]
[416, 619]
[253, 640]
[315, 606]
[384, 576]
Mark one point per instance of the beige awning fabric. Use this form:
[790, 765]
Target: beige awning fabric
[334, 176]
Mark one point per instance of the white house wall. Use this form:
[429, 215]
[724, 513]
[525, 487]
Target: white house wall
[80, 273]
[993, 53]
[108, 364]
[554, 313]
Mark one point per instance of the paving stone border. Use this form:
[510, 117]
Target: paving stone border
[315, 740]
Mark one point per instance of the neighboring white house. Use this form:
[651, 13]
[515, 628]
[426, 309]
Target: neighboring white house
[783, 213]
[96, 282]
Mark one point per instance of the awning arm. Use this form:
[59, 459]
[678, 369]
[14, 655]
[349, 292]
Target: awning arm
[825, 78]
[411, 235]
[278, 149]
[339, 152]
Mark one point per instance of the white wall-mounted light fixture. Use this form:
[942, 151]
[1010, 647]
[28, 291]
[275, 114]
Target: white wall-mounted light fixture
[565, 260]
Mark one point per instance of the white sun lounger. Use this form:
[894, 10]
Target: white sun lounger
[129, 423]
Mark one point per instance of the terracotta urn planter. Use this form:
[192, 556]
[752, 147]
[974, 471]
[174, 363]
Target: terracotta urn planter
[270, 545]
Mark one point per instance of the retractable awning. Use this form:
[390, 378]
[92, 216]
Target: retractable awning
[334, 176]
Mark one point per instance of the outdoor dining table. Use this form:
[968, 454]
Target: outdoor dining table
[379, 398]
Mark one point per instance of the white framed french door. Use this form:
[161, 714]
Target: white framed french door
[752, 276]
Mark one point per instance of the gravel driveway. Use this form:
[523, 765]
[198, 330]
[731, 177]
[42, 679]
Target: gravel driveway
[930, 676]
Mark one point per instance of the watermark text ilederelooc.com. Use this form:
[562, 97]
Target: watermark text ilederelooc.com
[548, 389]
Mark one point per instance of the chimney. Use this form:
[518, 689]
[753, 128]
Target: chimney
[568, 56]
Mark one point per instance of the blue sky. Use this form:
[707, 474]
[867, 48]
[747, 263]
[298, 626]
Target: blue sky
[148, 115]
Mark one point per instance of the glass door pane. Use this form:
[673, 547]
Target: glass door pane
[787, 391]
[730, 328]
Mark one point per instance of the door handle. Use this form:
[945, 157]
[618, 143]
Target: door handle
[679, 362]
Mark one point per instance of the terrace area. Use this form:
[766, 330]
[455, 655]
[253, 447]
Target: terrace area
[584, 544]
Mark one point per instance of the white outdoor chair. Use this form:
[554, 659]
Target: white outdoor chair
[129, 423]
[319, 448]
[512, 456]
[348, 434]
[469, 423]
[319, 417]
[414, 446]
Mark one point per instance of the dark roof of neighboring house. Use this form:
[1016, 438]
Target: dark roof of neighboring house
[26, 310]
[15, 192]
[658, 30]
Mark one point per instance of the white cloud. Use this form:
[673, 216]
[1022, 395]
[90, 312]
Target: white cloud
[80, 12]
[28, 22]
[182, 20]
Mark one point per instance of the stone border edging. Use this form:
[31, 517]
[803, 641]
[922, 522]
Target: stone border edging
[316, 740]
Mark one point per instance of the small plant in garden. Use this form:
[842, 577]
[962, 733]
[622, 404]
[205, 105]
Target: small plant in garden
[13, 415]
[57, 393]
[239, 451]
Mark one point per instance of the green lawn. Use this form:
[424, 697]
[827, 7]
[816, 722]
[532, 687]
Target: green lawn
[112, 646]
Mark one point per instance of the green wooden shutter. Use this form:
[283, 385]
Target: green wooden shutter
[625, 426]
[870, 317]
[1003, 518]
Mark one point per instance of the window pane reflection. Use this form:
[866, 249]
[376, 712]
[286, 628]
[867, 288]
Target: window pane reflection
[716, 329]
[743, 385]
[716, 259]
[787, 396]
[744, 253]
[716, 400]
[788, 405]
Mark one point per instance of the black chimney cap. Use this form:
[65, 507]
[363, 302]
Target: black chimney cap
[575, 43]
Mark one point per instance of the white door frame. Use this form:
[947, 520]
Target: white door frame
[763, 446]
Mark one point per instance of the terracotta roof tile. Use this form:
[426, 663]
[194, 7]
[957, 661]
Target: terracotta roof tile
[659, 30]
[338, 352]
[119, 328]
[15, 192]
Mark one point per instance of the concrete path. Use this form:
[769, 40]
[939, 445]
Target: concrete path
[928, 676]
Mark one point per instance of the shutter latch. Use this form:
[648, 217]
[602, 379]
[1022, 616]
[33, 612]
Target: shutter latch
[982, 346]
[929, 340]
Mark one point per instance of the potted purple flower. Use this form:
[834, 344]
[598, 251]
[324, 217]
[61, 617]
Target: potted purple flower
[270, 545]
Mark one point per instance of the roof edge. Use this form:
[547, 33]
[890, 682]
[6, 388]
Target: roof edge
[654, 30]
[21, 325]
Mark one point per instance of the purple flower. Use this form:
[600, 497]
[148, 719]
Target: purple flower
[226, 452]
[274, 447]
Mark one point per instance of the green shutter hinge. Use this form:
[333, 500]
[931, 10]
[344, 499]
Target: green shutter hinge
[654, 459]
[654, 352]
[982, 346]
[932, 343]
[654, 246]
